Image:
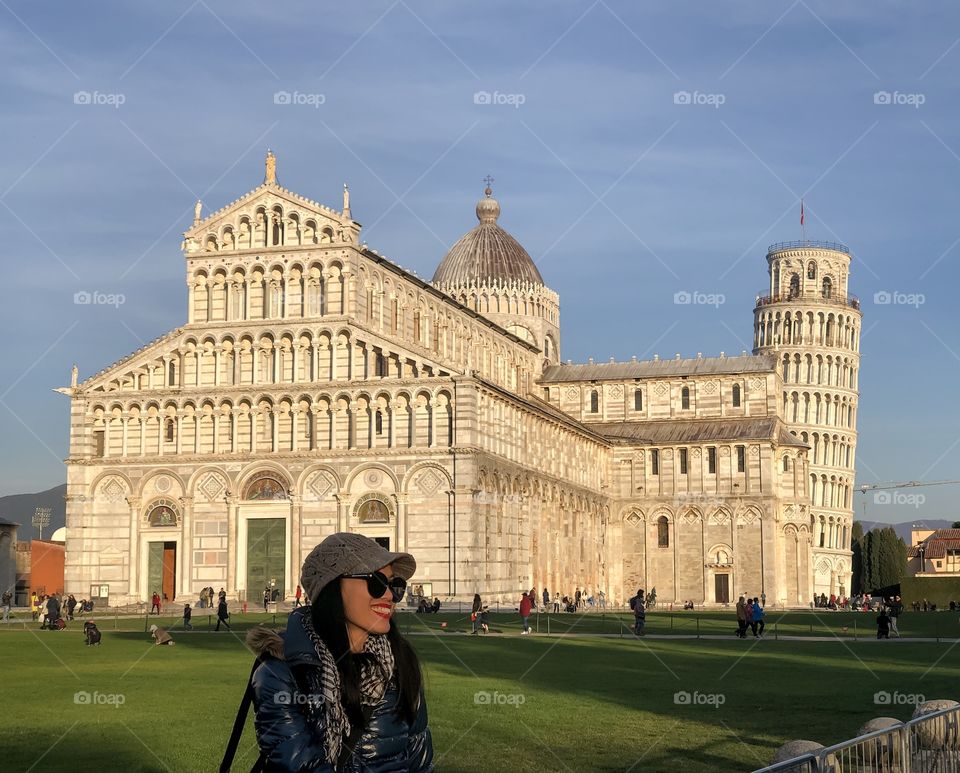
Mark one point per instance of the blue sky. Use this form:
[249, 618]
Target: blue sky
[623, 196]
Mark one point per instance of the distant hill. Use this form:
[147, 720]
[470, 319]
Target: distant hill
[20, 508]
[903, 529]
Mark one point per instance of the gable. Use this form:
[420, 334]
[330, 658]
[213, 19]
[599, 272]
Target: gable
[269, 216]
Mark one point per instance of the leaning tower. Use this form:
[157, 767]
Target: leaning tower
[811, 323]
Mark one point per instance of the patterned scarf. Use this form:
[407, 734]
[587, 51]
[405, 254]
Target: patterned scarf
[375, 674]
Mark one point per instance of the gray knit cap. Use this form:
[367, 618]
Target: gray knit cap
[348, 553]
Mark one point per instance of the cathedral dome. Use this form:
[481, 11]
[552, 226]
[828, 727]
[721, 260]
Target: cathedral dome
[486, 254]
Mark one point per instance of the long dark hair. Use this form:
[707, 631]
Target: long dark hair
[329, 621]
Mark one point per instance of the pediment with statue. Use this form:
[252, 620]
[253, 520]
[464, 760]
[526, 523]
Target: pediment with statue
[269, 216]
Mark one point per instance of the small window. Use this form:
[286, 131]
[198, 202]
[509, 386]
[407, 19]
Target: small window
[378, 422]
[712, 460]
[169, 430]
[171, 374]
[654, 462]
[100, 445]
[683, 461]
[685, 398]
[794, 285]
[741, 458]
[594, 402]
[663, 532]
[827, 291]
[637, 400]
[786, 464]
[736, 395]
[381, 365]
[811, 270]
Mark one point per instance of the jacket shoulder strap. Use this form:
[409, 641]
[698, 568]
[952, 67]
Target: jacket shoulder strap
[238, 725]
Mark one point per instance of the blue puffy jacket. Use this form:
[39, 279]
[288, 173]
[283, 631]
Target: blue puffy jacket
[291, 733]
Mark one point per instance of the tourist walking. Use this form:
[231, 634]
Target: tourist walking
[222, 614]
[7, 600]
[526, 606]
[297, 597]
[546, 600]
[741, 618]
[266, 598]
[367, 710]
[603, 599]
[639, 613]
[896, 609]
[155, 604]
[187, 615]
[475, 613]
[756, 619]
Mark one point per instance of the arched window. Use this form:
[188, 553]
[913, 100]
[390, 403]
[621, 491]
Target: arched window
[786, 464]
[594, 401]
[169, 430]
[736, 395]
[637, 400]
[811, 270]
[663, 532]
[827, 291]
[685, 398]
[378, 420]
[794, 285]
[171, 374]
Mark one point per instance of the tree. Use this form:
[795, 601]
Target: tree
[856, 563]
[956, 525]
[883, 559]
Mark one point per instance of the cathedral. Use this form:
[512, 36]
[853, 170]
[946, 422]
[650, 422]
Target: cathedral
[316, 386]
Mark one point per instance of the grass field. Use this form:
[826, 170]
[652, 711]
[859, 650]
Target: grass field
[537, 703]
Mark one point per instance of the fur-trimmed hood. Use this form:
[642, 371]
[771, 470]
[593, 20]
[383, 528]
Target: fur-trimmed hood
[265, 642]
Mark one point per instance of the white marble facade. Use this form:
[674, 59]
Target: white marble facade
[317, 386]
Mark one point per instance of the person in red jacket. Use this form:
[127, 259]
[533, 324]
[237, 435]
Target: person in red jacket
[526, 606]
[155, 608]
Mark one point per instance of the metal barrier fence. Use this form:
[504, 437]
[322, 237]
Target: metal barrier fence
[929, 743]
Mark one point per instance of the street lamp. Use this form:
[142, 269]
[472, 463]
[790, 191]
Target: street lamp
[41, 518]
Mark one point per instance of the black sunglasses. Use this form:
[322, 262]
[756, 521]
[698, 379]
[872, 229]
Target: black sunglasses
[378, 582]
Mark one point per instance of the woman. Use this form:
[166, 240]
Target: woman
[475, 613]
[341, 690]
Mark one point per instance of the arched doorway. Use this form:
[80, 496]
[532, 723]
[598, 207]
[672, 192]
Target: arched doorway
[263, 538]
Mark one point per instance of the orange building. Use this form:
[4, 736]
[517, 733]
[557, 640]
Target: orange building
[46, 566]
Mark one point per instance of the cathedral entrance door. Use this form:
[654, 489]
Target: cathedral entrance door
[721, 588]
[266, 557]
[162, 569]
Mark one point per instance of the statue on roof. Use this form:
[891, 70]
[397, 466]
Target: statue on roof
[270, 177]
[74, 371]
[196, 211]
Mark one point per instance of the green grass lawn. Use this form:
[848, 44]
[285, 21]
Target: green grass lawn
[535, 703]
